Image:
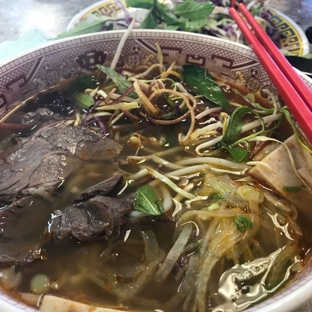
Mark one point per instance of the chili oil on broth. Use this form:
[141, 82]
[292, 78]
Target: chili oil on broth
[76, 269]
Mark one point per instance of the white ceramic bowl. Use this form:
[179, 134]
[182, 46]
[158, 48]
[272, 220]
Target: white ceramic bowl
[46, 66]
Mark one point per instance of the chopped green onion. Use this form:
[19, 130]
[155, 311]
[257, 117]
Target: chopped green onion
[242, 223]
[40, 284]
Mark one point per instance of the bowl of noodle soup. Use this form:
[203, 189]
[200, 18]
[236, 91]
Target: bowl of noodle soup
[209, 173]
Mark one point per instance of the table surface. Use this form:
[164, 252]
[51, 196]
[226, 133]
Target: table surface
[53, 16]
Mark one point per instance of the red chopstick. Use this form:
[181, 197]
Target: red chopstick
[232, 4]
[278, 57]
[296, 104]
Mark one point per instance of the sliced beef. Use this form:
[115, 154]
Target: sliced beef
[21, 238]
[38, 164]
[103, 188]
[100, 218]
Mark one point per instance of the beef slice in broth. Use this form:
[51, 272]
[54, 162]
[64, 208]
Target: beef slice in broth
[100, 217]
[21, 238]
[31, 171]
[37, 165]
[94, 214]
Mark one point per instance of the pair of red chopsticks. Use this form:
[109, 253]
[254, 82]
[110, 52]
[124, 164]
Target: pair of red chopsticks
[295, 93]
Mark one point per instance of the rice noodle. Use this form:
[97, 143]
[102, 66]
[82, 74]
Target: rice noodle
[173, 254]
[216, 250]
[186, 284]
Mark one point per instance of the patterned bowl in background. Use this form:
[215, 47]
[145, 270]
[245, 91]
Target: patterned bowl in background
[48, 65]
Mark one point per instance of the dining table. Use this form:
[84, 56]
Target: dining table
[53, 16]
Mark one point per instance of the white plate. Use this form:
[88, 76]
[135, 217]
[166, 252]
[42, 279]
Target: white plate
[293, 37]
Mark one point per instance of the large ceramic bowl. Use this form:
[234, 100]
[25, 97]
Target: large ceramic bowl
[48, 65]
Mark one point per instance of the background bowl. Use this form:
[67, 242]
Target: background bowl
[46, 66]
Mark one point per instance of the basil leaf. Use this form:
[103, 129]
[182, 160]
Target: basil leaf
[147, 201]
[194, 25]
[292, 188]
[234, 127]
[172, 27]
[150, 21]
[121, 82]
[193, 10]
[242, 223]
[199, 79]
[81, 84]
[84, 100]
[143, 4]
[238, 154]
[164, 15]
[84, 27]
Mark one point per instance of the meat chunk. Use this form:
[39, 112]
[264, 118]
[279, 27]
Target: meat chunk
[102, 188]
[100, 218]
[19, 242]
[38, 164]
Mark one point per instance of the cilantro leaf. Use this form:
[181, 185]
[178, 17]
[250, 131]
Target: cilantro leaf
[147, 201]
[193, 10]
[198, 78]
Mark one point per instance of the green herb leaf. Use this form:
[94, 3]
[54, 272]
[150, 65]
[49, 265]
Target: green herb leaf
[292, 188]
[238, 154]
[142, 4]
[147, 201]
[84, 27]
[150, 21]
[121, 82]
[194, 25]
[199, 79]
[164, 15]
[172, 27]
[215, 196]
[84, 100]
[193, 10]
[242, 223]
[81, 84]
[256, 11]
[308, 56]
[234, 127]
